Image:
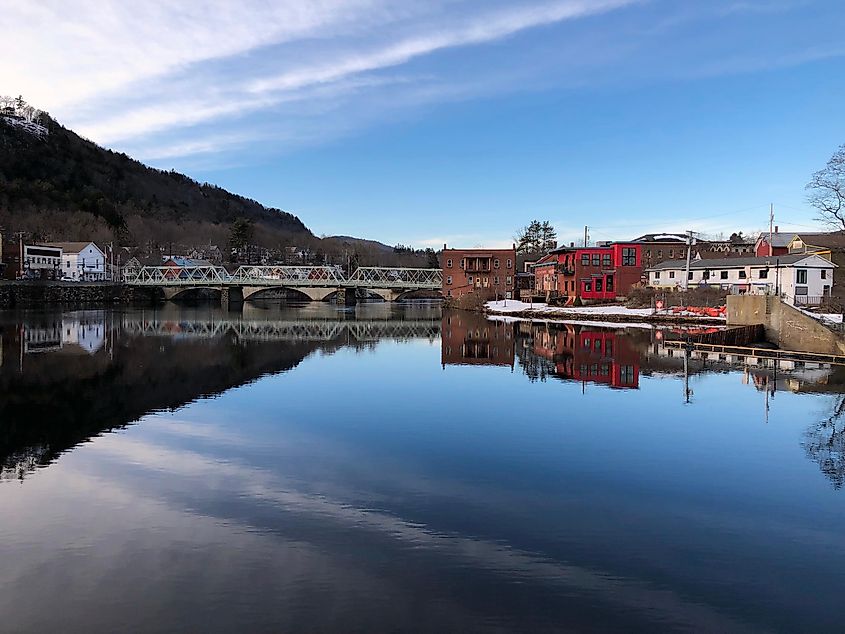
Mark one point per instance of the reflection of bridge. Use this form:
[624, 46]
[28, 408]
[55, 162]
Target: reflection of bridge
[315, 282]
[283, 330]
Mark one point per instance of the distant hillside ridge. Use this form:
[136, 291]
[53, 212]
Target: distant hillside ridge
[59, 186]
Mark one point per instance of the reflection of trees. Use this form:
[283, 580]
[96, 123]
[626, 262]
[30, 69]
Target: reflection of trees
[825, 443]
[535, 367]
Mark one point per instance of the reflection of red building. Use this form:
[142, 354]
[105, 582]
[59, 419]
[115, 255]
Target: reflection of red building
[594, 355]
[589, 273]
[470, 339]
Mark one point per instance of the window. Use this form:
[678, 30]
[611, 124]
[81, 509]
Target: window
[723, 275]
[605, 260]
[629, 256]
[671, 253]
[599, 285]
[657, 275]
[585, 259]
[705, 275]
[463, 263]
[448, 279]
[689, 276]
[509, 280]
[660, 253]
[824, 274]
[764, 274]
[801, 276]
[496, 281]
[609, 283]
[469, 279]
[510, 264]
[648, 253]
[449, 263]
[627, 374]
[588, 287]
[742, 275]
[496, 263]
[671, 275]
[596, 259]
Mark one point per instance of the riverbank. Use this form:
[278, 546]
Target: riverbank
[29, 294]
[611, 313]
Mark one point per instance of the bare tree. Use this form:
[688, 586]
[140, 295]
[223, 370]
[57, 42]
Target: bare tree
[827, 191]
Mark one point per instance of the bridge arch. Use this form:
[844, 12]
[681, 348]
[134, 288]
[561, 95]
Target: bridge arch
[314, 294]
[176, 293]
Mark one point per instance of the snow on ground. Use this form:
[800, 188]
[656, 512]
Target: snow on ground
[575, 322]
[507, 306]
[832, 318]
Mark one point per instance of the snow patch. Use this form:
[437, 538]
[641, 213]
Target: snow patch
[28, 126]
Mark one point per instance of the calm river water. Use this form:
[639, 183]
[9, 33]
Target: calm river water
[392, 468]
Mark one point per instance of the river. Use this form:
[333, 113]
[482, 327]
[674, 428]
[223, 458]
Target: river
[399, 468]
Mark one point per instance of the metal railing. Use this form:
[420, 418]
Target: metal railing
[286, 276]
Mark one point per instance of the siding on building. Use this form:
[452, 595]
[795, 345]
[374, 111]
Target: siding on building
[596, 273]
[486, 272]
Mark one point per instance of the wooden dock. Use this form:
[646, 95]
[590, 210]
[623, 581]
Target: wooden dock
[759, 353]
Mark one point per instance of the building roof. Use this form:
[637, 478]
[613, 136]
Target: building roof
[729, 263]
[827, 239]
[178, 260]
[668, 238]
[779, 240]
[72, 247]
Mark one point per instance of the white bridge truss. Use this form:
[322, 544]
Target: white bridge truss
[286, 276]
[281, 330]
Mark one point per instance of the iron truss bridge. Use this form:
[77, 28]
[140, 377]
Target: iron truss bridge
[286, 276]
[281, 330]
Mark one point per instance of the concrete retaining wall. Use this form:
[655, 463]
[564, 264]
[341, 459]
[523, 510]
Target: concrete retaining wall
[786, 326]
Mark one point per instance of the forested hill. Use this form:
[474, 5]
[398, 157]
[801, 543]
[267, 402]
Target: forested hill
[59, 186]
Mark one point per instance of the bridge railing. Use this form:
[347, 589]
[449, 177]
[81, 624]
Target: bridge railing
[290, 275]
[282, 276]
[383, 277]
[177, 276]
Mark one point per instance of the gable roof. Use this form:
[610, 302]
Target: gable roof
[733, 263]
[73, 247]
[779, 240]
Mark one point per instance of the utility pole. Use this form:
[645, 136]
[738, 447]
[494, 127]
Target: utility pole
[585, 237]
[689, 249]
[771, 223]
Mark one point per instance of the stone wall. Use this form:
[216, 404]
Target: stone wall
[33, 294]
[785, 325]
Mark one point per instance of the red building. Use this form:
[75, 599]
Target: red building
[488, 272]
[590, 355]
[779, 244]
[590, 274]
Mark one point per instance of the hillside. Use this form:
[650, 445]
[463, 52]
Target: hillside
[59, 186]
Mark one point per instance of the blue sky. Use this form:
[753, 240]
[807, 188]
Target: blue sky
[458, 120]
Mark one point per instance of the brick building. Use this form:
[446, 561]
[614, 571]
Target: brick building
[487, 272]
[599, 273]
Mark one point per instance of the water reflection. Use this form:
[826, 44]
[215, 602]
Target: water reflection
[391, 468]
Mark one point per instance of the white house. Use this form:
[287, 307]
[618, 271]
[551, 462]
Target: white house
[82, 261]
[800, 278]
[41, 261]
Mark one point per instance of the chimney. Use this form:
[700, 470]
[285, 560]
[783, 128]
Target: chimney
[444, 246]
[776, 228]
[571, 245]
